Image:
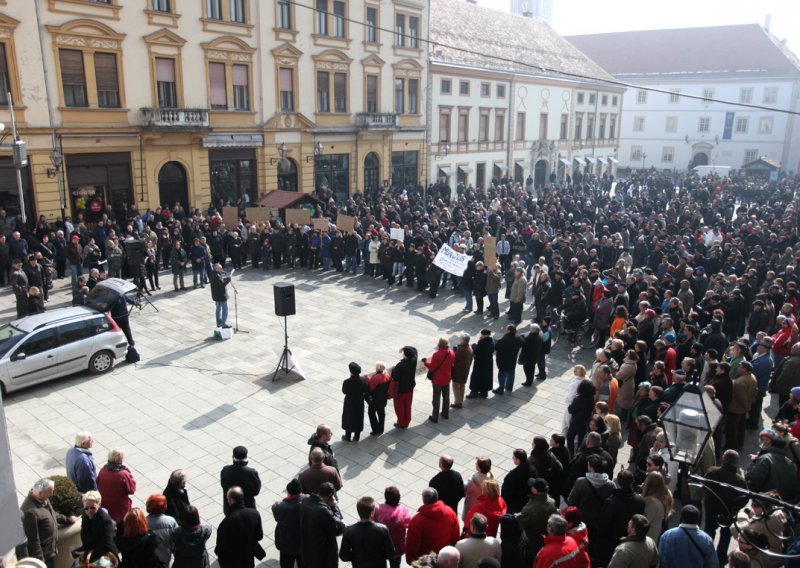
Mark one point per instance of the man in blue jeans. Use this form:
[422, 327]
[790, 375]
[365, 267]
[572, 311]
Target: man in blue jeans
[506, 352]
[219, 280]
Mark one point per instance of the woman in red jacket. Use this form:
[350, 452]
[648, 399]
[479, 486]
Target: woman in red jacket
[440, 367]
[116, 483]
[782, 339]
[490, 505]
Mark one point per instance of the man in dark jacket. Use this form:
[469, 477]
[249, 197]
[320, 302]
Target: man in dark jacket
[239, 474]
[617, 510]
[219, 280]
[506, 351]
[515, 491]
[534, 515]
[723, 504]
[287, 527]
[448, 483]
[320, 523]
[531, 345]
[238, 533]
[579, 465]
[40, 522]
[321, 439]
[366, 544]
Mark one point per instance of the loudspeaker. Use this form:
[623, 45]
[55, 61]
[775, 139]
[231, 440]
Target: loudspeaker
[136, 251]
[284, 299]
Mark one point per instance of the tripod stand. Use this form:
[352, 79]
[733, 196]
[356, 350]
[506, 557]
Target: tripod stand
[136, 302]
[286, 354]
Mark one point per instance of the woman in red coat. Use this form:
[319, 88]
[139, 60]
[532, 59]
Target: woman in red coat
[440, 365]
[116, 483]
[490, 505]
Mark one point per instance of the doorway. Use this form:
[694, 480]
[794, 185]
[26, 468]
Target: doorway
[172, 186]
[700, 159]
[372, 174]
[287, 175]
[540, 174]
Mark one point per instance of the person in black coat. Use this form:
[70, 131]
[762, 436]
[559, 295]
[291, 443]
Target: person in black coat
[546, 466]
[479, 286]
[404, 373]
[321, 439]
[355, 391]
[544, 351]
[482, 377]
[239, 533]
[287, 524]
[515, 490]
[239, 474]
[531, 345]
[97, 528]
[579, 465]
[580, 411]
[617, 510]
[448, 483]
[177, 497]
[219, 280]
[320, 523]
[506, 351]
[138, 548]
[366, 544]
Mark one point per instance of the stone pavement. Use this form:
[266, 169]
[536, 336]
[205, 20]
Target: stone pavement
[191, 399]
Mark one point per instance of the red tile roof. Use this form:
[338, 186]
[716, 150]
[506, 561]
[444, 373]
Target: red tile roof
[719, 49]
[278, 199]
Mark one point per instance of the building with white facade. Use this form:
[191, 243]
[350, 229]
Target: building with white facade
[743, 65]
[496, 111]
[541, 10]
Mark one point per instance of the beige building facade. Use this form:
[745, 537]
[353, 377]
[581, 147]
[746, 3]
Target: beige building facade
[209, 102]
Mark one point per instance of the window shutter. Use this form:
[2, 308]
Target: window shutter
[286, 80]
[165, 70]
[71, 67]
[240, 75]
[219, 95]
[105, 68]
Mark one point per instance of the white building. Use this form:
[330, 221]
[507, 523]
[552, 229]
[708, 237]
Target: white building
[741, 64]
[541, 10]
[492, 118]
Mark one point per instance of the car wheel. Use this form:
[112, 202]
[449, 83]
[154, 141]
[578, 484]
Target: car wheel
[101, 362]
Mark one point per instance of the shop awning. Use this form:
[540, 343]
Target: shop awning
[465, 169]
[233, 141]
[446, 172]
[565, 161]
[613, 160]
[579, 160]
[591, 159]
[501, 165]
[521, 163]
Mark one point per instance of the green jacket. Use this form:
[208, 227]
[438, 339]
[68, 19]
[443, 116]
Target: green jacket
[772, 470]
[533, 519]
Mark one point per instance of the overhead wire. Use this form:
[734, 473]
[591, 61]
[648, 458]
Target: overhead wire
[542, 69]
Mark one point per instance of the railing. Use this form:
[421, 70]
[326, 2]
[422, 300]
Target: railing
[175, 117]
[377, 120]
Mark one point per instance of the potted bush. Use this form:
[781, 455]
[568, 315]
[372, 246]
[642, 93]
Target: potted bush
[66, 500]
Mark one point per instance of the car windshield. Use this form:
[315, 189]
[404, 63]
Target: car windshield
[9, 337]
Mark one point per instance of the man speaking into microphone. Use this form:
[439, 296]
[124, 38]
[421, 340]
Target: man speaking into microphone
[219, 280]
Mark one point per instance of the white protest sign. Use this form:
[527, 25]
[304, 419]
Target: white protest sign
[397, 234]
[451, 261]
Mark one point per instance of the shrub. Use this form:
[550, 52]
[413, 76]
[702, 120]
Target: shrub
[66, 499]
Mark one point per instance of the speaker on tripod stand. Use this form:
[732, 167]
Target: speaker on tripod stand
[284, 306]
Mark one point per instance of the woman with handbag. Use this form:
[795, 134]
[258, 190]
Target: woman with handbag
[97, 529]
[440, 368]
[404, 377]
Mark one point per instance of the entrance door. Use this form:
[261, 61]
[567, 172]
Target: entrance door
[287, 175]
[519, 173]
[172, 186]
[540, 173]
[372, 174]
[700, 159]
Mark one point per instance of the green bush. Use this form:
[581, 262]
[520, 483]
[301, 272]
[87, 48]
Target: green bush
[66, 499]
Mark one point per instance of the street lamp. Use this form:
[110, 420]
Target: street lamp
[282, 151]
[318, 147]
[444, 150]
[644, 157]
[688, 424]
[58, 161]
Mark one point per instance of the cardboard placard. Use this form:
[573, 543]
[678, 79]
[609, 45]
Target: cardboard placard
[345, 223]
[490, 251]
[230, 216]
[258, 214]
[322, 225]
[298, 217]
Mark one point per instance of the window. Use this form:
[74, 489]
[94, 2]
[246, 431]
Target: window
[413, 96]
[399, 94]
[322, 17]
[589, 126]
[638, 124]
[372, 25]
[5, 83]
[636, 153]
[165, 83]
[667, 153]
[406, 31]
[105, 70]
[400, 30]
[742, 124]
[614, 100]
[770, 96]
[746, 95]
[543, 126]
[499, 126]
[445, 86]
[580, 98]
[501, 91]
[604, 100]
[765, 125]
[372, 93]
[703, 124]
[674, 96]
[323, 92]
[73, 80]
[601, 133]
[483, 126]
[463, 88]
[338, 19]
[217, 83]
[708, 94]
[214, 9]
[520, 130]
[286, 84]
[486, 89]
[612, 128]
[340, 92]
[284, 15]
[750, 156]
[463, 126]
[237, 13]
[75, 331]
[413, 32]
[564, 123]
[672, 124]
[39, 343]
[592, 98]
[578, 125]
[161, 5]
[444, 126]
[241, 88]
[641, 96]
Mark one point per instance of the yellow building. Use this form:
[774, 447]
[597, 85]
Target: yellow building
[209, 102]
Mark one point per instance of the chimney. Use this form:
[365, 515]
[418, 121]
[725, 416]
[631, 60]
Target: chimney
[767, 22]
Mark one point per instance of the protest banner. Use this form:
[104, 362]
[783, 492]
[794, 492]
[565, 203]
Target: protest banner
[451, 261]
[345, 223]
[322, 225]
[490, 251]
[397, 234]
[230, 216]
[297, 217]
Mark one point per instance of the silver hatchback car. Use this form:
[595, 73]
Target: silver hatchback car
[46, 346]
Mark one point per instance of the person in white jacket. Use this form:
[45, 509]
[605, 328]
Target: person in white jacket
[578, 376]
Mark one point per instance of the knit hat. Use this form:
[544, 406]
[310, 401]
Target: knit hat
[768, 433]
[355, 368]
[795, 392]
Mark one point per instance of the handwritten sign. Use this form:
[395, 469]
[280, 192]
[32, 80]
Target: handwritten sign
[322, 225]
[298, 217]
[345, 223]
[490, 251]
[397, 234]
[230, 216]
[451, 261]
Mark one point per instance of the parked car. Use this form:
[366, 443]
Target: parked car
[46, 346]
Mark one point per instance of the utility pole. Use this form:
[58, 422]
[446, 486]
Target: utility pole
[20, 154]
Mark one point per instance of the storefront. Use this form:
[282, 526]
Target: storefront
[332, 172]
[9, 191]
[234, 176]
[405, 169]
[96, 181]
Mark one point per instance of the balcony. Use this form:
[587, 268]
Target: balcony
[378, 120]
[175, 118]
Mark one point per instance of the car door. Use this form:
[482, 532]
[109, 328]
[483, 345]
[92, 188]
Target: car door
[35, 359]
[75, 346]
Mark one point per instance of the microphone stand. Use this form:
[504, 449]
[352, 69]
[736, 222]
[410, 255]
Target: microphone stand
[236, 310]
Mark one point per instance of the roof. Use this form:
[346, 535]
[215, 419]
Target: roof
[35, 321]
[762, 163]
[718, 49]
[279, 199]
[457, 25]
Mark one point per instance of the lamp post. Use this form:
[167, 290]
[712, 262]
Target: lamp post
[58, 161]
[19, 154]
[644, 157]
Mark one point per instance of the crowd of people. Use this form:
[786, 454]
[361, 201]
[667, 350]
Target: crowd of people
[690, 283]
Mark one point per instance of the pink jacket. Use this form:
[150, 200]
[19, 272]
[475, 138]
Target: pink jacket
[396, 520]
